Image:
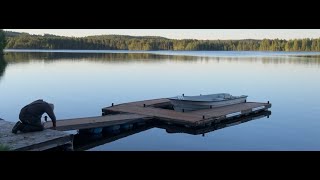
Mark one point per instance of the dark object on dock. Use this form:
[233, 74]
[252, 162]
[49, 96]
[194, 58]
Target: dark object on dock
[30, 116]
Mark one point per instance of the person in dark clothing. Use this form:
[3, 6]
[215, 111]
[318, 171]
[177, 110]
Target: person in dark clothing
[30, 116]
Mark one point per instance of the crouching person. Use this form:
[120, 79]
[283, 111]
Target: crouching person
[30, 117]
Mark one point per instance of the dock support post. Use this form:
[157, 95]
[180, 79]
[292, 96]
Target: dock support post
[68, 147]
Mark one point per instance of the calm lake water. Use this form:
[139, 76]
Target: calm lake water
[80, 83]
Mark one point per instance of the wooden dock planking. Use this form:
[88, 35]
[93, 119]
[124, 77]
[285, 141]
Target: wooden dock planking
[33, 141]
[164, 114]
[193, 118]
[150, 102]
[98, 121]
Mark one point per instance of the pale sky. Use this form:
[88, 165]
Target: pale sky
[203, 34]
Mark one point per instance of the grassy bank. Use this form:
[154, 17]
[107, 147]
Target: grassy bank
[4, 148]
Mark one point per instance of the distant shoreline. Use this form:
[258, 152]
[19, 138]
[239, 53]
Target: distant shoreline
[222, 54]
[154, 43]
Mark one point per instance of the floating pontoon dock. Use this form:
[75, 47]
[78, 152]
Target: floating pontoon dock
[155, 110]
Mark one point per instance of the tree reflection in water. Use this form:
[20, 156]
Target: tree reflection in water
[3, 65]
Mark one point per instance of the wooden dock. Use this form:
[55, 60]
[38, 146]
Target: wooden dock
[160, 110]
[97, 121]
[33, 141]
[157, 109]
[133, 113]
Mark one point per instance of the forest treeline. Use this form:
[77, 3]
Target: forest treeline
[2, 41]
[122, 42]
